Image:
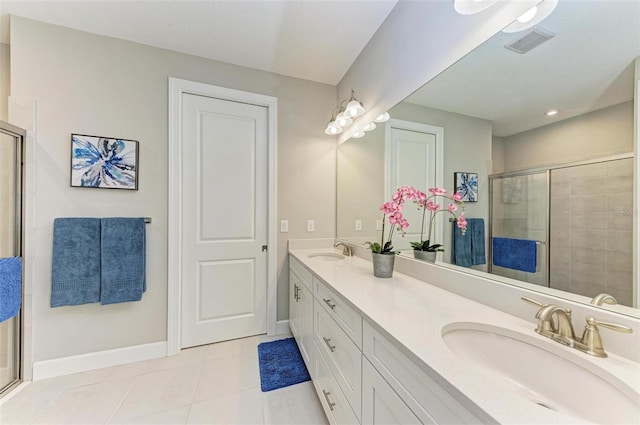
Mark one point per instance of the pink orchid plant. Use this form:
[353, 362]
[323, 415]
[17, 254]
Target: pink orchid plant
[428, 203]
[392, 211]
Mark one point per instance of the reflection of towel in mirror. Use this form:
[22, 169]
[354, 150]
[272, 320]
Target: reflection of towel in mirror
[123, 259]
[10, 287]
[468, 249]
[516, 254]
[75, 277]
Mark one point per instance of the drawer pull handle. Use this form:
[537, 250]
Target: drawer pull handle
[328, 302]
[332, 348]
[326, 397]
[295, 292]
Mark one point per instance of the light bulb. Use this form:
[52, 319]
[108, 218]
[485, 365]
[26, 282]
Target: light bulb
[343, 120]
[470, 7]
[354, 109]
[332, 129]
[358, 134]
[528, 15]
[383, 117]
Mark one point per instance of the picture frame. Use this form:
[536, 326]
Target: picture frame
[467, 184]
[104, 162]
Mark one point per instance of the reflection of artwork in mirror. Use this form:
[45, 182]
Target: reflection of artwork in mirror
[467, 185]
[104, 162]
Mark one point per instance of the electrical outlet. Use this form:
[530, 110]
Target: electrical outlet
[378, 224]
[284, 226]
[358, 225]
[311, 226]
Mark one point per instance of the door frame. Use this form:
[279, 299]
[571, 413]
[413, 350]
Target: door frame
[178, 87]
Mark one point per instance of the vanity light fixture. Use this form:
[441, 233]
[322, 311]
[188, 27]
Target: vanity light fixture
[383, 117]
[532, 17]
[344, 114]
[470, 7]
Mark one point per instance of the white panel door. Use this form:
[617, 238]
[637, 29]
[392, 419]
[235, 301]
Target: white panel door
[224, 220]
[412, 163]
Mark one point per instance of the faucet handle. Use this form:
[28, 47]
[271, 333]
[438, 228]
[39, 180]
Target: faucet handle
[591, 341]
[602, 299]
[545, 327]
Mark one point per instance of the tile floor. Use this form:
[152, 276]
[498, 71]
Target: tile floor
[212, 384]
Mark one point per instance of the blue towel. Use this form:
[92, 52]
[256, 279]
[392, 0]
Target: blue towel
[476, 228]
[468, 249]
[75, 277]
[123, 260]
[516, 254]
[10, 287]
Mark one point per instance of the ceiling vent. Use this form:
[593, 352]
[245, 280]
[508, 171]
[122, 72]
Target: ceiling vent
[530, 40]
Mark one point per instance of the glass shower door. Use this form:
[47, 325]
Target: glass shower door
[10, 245]
[520, 210]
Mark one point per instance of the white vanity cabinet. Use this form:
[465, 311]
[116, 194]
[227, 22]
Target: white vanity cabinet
[360, 376]
[390, 377]
[301, 310]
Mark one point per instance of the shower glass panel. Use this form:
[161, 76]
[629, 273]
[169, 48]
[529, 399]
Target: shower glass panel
[10, 245]
[520, 210]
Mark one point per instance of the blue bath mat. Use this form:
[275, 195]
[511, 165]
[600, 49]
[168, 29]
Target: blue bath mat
[281, 364]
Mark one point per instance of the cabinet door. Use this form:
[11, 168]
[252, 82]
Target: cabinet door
[294, 305]
[305, 313]
[380, 404]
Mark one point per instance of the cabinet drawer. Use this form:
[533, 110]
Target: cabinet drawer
[303, 273]
[423, 394]
[342, 356]
[331, 397]
[340, 311]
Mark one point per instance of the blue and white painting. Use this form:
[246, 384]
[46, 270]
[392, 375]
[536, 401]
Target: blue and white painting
[104, 162]
[467, 185]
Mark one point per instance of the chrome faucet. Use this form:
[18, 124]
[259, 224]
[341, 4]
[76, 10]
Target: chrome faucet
[563, 332]
[346, 249]
[603, 298]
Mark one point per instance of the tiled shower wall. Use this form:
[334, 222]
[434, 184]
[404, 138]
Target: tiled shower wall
[591, 229]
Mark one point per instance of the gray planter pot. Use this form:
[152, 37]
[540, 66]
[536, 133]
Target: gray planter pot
[429, 256]
[383, 264]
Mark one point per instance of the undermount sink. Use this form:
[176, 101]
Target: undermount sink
[327, 256]
[550, 377]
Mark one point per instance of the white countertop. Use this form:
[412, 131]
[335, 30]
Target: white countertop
[414, 313]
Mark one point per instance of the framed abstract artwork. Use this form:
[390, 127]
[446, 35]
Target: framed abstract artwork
[467, 185]
[104, 162]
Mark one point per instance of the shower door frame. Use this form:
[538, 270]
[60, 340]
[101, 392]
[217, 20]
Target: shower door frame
[19, 135]
[521, 173]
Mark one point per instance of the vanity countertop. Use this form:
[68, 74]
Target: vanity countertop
[413, 314]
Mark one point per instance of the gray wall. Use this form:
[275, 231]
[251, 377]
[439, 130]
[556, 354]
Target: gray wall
[85, 83]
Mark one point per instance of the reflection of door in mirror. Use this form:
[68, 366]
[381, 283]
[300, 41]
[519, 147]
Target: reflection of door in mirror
[10, 246]
[413, 161]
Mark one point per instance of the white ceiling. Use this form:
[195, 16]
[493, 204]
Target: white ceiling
[310, 39]
[587, 66]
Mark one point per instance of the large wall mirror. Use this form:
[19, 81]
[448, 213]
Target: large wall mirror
[561, 182]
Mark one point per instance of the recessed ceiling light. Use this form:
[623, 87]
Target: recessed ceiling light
[551, 112]
[469, 7]
[532, 17]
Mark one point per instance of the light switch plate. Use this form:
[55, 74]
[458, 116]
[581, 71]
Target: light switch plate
[378, 224]
[358, 225]
[284, 226]
[311, 226]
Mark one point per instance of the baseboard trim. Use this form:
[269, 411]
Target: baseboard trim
[282, 327]
[97, 360]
